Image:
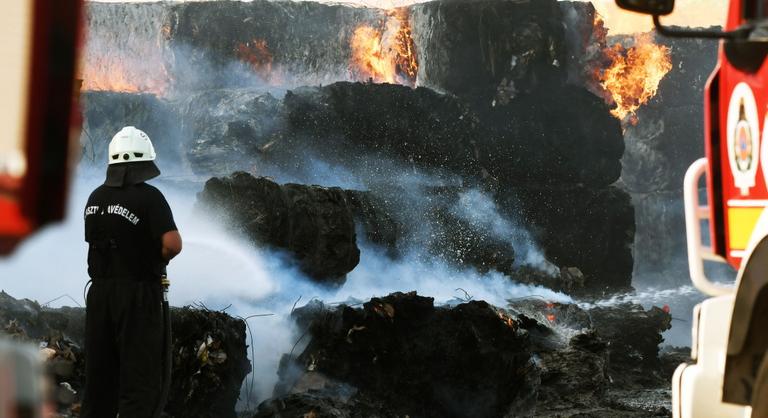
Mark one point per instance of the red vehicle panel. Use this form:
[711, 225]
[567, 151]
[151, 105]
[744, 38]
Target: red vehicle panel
[736, 101]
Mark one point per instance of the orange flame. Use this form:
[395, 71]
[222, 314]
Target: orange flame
[634, 74]
[506, 320]
[101, 74]
[257, 55]
[387, 56]
[405, 48]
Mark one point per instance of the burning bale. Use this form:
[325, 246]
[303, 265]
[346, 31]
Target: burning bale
[209, 355]
[204, 45]
[659, 150]
[401, 355]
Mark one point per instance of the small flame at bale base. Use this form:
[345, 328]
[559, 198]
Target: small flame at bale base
[257, 55]
[118, 76]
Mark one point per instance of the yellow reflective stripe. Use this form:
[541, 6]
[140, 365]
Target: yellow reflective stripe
[741, 223]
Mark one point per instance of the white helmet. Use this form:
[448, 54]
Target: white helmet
[130, 145]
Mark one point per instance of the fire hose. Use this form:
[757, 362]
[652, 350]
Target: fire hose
[167, 348]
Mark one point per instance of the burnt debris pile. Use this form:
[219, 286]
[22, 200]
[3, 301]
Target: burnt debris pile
[209, 355]
[402, 355]
[397, 355]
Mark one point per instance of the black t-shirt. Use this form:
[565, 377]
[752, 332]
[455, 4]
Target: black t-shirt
[124, 227]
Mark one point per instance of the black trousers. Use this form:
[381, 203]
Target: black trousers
[123, 349]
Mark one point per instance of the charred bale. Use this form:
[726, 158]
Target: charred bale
[591, 229]
[207, 45]
[323, 404]
[210, 362]
[634, 335]
[418, 359]
[590, 356]
[226, 130]
[667, 139]
[576, 374]
[554, 135]
[417, 126]
[481, 50]
[314, 224]
[670, 133]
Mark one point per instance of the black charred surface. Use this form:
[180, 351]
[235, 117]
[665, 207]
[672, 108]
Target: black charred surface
[567, 137]
[591, 229]
[376, 220]
[400, 355]
[485, 45]
[313, 223]
[635, 335]
[209, 355]
[554, 135]
[422, 360]
[323, 404]
[591, 357]
[585, 232]
[317, 225]
[418, 126]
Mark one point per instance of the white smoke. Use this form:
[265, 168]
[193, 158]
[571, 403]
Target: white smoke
[480, 210]
[222, 271]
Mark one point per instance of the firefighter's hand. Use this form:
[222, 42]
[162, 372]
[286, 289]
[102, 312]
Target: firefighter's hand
[171, 245]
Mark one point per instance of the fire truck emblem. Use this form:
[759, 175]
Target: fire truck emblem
[743, 143]
[743, 138]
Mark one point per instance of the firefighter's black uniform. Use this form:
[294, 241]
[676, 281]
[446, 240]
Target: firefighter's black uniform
[124, 319]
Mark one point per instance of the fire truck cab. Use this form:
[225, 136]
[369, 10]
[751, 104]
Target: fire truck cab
[728, 375]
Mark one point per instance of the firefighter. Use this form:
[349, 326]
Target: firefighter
[132, 236]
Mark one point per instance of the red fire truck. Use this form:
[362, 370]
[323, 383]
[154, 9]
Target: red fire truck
[728, 375]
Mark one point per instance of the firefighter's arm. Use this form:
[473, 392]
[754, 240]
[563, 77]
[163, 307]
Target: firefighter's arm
[171, 245]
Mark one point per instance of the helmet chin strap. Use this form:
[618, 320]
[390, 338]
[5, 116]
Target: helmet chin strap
[129, 174]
